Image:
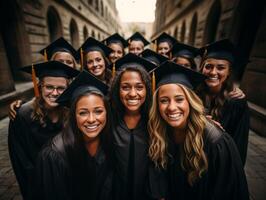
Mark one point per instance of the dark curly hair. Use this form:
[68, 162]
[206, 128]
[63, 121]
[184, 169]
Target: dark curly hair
[118, 107]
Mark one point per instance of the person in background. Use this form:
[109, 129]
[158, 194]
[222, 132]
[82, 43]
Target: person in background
[130, 97]
[38, 120]
[76, 164]
[184, 55]
[153, 57]
[118, 44]
[164, 44]
[217, 64]
[94, 54]
[192, 158]
[136, 43]
[59, 50]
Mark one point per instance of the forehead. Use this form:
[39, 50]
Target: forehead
[170, 90]
[91, 99]
[116, 46]
[131, 76]
[58, 55]
[136, 43]
[216, 61]
[54, 80]
[163, 44]
[93, 54]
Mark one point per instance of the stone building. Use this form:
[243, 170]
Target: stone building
[198, 22]
[29, 25]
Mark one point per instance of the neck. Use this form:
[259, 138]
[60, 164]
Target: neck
[132, 119]
[53, 114]
[215, 90]
[92, 146]
[179, 136]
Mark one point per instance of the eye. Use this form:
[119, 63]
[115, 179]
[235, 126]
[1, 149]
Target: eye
[98, 111]
[61, 89]
[207, 66]
[83, 113]
[98, 59]
[220, 67]
[125, 87]
[140, 87]
[179, 99]
[49, 87]
[164, 100]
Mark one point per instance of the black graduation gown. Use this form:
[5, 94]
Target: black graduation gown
[131, 161]
[225, 178]
[25, 139]
[235, 120]
[54, 175]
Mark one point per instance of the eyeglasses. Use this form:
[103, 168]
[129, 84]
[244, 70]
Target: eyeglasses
[51, 88]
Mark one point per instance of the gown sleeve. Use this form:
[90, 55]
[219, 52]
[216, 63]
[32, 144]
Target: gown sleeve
[235, 120]
[51, 177]
[19, 155]
[226, 171]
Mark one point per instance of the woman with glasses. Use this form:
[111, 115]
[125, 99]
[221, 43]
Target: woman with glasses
[38, 120]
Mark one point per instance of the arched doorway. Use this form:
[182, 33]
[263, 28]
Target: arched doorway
[85, 33]
[212, 23]
[183, 32]
[92, 34]
[193, 29]
[54, 24]
[74, 33]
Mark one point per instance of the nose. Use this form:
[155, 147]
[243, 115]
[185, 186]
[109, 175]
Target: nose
[172, 106]
[95, 63]
[55, 92]
[133, 92]
[91, 118]
[213, 70]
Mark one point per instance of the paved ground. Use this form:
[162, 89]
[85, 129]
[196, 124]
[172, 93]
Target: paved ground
[255, 167]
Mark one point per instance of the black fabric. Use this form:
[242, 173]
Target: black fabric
[225, 178]
[25, 140]
[131, 161]
[55, 181]
[235, 120]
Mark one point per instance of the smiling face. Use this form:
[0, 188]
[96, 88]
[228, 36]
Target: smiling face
[173, 106]
[51, 89]
[136, 47]
[64, 57]
[164, 49]
[132, 91]
[116, 53]
[90, 116]
[217, 72]
[95, 64]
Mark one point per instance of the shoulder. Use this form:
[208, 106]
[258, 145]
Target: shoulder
[236, 102]
[26, 109]
[212, 133]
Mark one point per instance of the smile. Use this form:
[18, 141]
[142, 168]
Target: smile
[175, 116]
[133, 102]
[91, 128]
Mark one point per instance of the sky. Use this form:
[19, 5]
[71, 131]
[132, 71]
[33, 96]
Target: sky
[136, 10]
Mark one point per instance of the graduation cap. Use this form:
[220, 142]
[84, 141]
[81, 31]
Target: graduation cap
[133, 60]
[222, 49]
[153, 57]
[49, 68]
[92, 44]
[137, 37]
[170, 72]
[83, 83]
[58, 45]
[115, 38]
[164, 37]
[183, 50]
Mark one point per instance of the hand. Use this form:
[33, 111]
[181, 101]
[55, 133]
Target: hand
[12, 109]
[218, 124]
[237, 93]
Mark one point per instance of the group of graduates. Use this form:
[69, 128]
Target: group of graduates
[149, 124]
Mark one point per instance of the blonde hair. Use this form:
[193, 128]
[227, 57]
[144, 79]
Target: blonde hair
[194, 160]
[75, 65]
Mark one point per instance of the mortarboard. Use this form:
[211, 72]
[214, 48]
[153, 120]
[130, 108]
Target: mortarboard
[49, 68]
[115, 38]
[222, 49]
[134, 60]
[58, 45]
[153, 57]
[170, 72]
[84, 82]
[183, 50]
[137, 37]
[164, 37]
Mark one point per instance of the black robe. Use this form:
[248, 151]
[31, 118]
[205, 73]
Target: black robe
[235, 120]
[25, 140]
[131, 161]
[55, 179]
[225, 178]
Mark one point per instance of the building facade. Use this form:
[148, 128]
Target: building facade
[29, 25]
[199, 22]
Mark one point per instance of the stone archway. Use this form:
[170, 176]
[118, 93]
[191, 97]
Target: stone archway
[212, 22]
[193, 29]
[85, 33]
[183, 32]
[54, 24]
[74, 33]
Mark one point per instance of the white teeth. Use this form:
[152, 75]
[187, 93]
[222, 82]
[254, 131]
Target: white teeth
[213, 78]
[133, 102]
[91, 126]
[175, 116]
